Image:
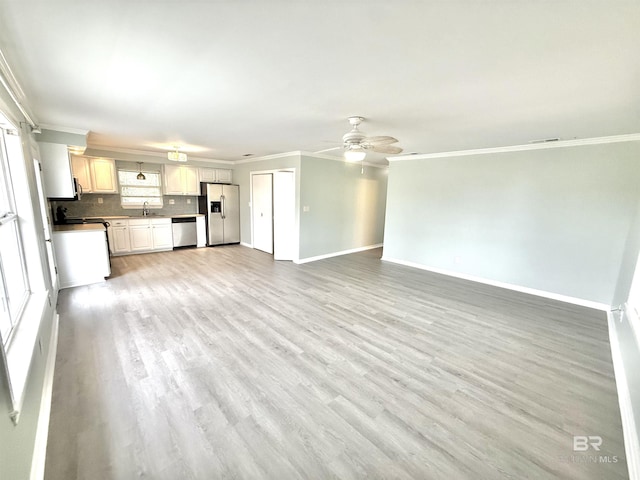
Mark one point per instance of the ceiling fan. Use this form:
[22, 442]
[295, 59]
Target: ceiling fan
[356, 143]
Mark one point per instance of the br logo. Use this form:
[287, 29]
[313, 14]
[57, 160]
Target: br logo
[582, 443]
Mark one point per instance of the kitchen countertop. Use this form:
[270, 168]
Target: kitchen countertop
[80, 227]
[125, 217]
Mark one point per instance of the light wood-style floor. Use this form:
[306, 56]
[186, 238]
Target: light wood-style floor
[221, 363]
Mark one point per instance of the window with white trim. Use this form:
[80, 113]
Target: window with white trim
[14, 284]
[135, 192]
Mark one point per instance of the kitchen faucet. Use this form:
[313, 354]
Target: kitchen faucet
[145, 209]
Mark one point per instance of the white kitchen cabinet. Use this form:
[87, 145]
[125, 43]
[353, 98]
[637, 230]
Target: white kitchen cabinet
[208, 175]
[181, 180]
[119, 237]
[140, 235]
[216, 175]
[80, 168]
[224, 175]
[56, 170]
[103, 175]
[161, 234]
[95, 174]
[201, 232]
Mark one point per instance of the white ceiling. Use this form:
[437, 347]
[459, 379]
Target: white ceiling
[227, 78]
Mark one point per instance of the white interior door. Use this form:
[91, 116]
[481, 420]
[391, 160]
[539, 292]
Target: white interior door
[284, 215]
[262, 211]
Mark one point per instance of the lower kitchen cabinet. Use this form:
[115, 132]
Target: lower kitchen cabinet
[161, 234]
[140, 237]
[137, 235]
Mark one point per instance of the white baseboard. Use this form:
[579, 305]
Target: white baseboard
[42, 430]
[629, 427]
[245, 244]
[337, 254]
[518, 288]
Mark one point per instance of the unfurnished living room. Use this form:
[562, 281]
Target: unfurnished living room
[319, 240]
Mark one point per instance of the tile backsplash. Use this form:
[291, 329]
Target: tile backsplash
[89, 206]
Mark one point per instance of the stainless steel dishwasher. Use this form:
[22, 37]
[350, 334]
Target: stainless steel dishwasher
[184, 231]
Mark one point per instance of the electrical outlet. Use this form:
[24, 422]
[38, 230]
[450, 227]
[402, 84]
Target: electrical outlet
[172, 202]
[188, 201]
[100, 200]
[306, 208]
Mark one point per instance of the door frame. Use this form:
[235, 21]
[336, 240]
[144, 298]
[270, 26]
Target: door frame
[296, 203]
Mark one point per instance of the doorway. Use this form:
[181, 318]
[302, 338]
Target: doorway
[262, 211]
[273, 213]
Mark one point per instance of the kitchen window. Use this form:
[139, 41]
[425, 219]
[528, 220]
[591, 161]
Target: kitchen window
[14, 285]
[134, 193]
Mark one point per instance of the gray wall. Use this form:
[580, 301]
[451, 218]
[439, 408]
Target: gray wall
[555, 220]
[346, 208]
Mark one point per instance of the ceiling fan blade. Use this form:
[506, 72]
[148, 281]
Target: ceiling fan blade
[380, 140]
[386, 149]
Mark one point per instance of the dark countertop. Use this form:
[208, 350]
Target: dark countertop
[80, 227]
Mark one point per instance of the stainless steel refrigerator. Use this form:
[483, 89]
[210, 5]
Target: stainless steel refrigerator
[220, 203]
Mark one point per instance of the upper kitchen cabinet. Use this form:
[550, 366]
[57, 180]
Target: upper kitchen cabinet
[215, 175]
[103, 175]
[56, 170]
[95, 174]
[80, 168]
[181, 180]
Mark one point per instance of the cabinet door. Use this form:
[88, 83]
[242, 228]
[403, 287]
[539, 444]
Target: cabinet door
[172, 180]
[80, 167]
[103, 175]
[223, 176]
[162, 236]
[190, 183]
[140, 237]
[119, 239]
[208, 175]
[56, 170]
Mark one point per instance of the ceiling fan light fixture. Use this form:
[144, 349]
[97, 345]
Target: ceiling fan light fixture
[356, 155]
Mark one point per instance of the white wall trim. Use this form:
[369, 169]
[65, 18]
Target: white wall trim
[341, 159]
[56, 128]
[42, 431]
[518, 288]
[336, 254]
[629, 427]
[245, 244]
[267, 157]
[633, 137]
[148, 153]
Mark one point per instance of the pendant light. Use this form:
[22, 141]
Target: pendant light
[140, 175]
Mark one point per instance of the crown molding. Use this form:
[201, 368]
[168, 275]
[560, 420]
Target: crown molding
[56, 128]
[632, 137]
[267, 157]
[341, 159]
[13, 88]
[148, 153]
